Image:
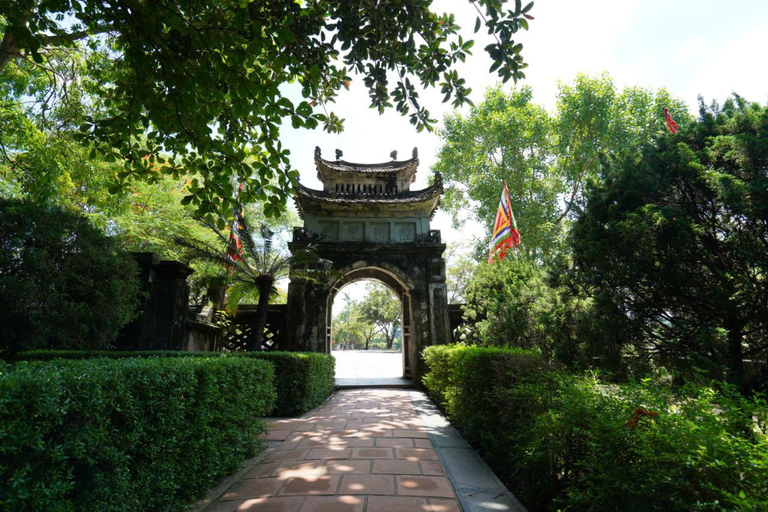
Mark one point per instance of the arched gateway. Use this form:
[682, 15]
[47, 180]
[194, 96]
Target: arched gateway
[370, 225]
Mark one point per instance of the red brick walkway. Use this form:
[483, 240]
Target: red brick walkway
[363, 451]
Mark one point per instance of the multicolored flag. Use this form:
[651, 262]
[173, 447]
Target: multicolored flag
[235, 246]
[505, 233]
[671, 124]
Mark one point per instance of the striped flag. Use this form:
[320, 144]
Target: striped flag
[505, 233]
[671, 124]
[235, 246]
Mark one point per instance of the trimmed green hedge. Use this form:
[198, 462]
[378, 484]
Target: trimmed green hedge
[129, 434]
[50, 355]
[304, 379]
[564, 442]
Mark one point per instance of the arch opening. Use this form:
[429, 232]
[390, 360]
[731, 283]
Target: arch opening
[368, 324]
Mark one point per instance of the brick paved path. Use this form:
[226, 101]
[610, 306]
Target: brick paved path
[364, 451]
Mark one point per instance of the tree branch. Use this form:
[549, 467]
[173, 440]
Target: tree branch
[71, 37]
[10, 51]
[574, 191]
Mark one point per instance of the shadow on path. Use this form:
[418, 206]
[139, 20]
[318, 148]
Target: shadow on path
[368, 450]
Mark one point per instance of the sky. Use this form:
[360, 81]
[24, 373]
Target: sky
[690, 47]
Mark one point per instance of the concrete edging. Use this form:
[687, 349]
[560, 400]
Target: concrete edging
[477, 487]
[213, 495]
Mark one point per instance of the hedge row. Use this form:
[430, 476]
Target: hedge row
[304, 379]
[564, 442]
[130, 434]
[50, 355]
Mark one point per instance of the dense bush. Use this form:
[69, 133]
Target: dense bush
[674, 244]
[303, 380]
[570, 443]
[465, 383]
[510, 303]
[63, 283]
[517, 303]
[130, 434]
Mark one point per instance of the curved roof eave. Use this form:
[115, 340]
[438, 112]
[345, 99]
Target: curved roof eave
[420, 196]
[342, 166]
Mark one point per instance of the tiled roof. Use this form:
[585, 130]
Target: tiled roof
[395, 166]
[417, 196]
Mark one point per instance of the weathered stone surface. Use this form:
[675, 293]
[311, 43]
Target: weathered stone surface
[371, 226]
[405, 268]
[160, 323]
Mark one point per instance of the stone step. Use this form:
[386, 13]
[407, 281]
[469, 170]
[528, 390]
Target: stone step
[384, 382]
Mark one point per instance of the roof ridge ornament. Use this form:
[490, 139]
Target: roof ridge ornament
[339, 154]
[393, 154]
[415, 152]
[318, 152]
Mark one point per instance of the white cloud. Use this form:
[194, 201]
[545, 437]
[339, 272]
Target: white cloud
[690, 47]
[570, 37]
[735, 67]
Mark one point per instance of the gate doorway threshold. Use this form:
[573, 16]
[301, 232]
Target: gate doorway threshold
[378, 382]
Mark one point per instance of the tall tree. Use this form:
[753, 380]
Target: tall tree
[507, 137]
[546, 159]
[63, 283]
[382, 308]
[40, 158]
[197, 85]
[677, 242]
[351, 330]
[460, 267]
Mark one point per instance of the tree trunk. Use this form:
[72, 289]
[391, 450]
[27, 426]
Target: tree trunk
[735, 354]
[8, 50]
[265, 288]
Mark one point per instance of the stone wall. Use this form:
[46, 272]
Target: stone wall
[415, 271]
[161, 323]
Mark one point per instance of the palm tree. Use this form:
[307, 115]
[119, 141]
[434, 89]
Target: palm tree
[258, 266]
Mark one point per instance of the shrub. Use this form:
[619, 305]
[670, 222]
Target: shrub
[510, 303]
[303, 379]
[130, 434]
[469, 384]
[567, 442]
[702, 452]
[464, 380]
[63, 283]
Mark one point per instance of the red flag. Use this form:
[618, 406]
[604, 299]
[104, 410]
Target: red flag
[632, 423]
[671, 124]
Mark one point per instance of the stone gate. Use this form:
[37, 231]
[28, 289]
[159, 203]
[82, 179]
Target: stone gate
[369, 223]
